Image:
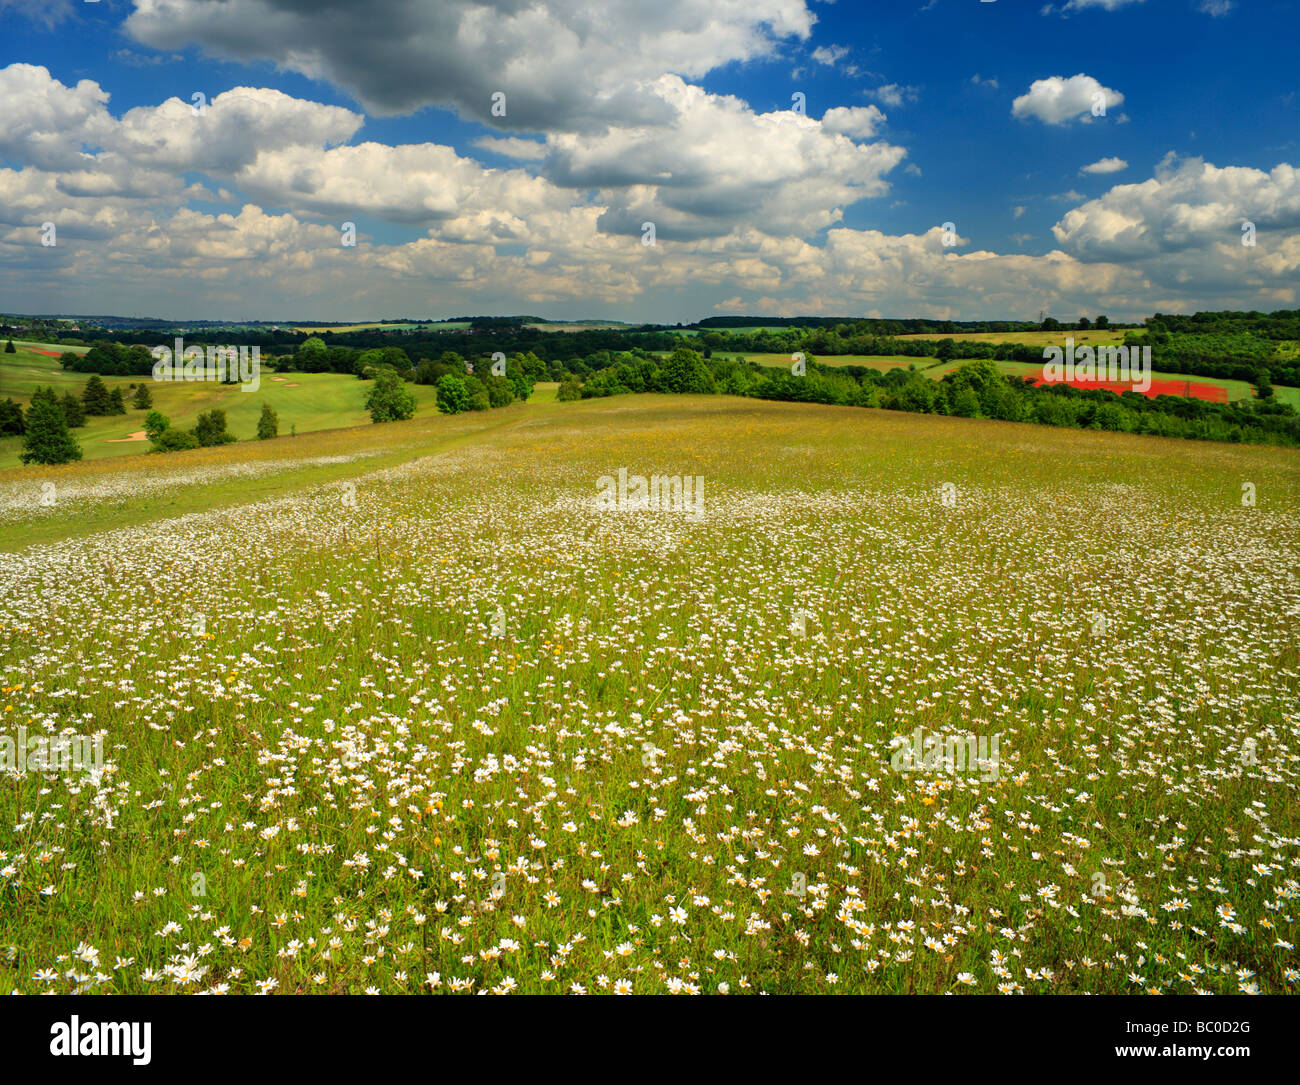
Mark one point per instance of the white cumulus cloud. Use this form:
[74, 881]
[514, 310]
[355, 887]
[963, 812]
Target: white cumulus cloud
[1105, 165]
[1057, 100]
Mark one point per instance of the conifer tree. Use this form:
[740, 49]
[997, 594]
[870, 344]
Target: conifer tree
[46, 438]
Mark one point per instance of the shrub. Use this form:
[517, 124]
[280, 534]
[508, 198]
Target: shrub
[478, 396]
[174, 440]
[268, 425]
[500, 391]
[453, 396]
[154, 423]
[684, 371]
[210, 429]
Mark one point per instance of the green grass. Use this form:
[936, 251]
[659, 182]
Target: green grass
[311, 329]
[734, 331]
[331, 769]
[309, 401]
[58, 347]
[869, 361]
[580, 326]
[1035, 338]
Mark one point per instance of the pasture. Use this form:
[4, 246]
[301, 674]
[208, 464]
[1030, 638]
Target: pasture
[401, 708]
[377, 325]
[867, 361]
[577, 326]
[1090, 336]
[309, 401]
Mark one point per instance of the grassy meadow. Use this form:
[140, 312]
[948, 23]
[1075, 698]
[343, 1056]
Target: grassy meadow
[783, 361]
[316, 401]
[1086, 337]
[867, 361]
[374, 325]
[401, 708]
[577, 325]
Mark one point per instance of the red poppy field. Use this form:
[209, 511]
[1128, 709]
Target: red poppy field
[1195, 389]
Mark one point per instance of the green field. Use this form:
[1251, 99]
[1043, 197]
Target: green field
[309, 401]
[402, 708]
[1092, 336]
[315, 329]
[47, 346]
[867, 361]
[578, 326]
[455, 325]
[747, 330]
[784, 361]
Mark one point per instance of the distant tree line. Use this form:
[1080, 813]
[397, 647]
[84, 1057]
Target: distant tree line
[1239, 355]
[888, 326]
[1279, 324]
[461, 384]
[1237, 345]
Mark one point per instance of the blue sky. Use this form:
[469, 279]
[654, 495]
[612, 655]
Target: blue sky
[676, 112]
